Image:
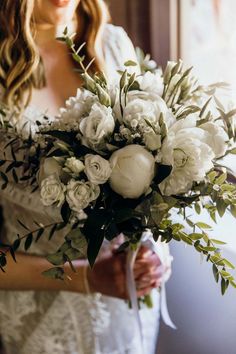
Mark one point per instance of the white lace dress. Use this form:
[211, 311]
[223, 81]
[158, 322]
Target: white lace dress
[63, 322]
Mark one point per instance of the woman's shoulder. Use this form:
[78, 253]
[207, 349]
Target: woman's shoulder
[112, 31]
[117, 46]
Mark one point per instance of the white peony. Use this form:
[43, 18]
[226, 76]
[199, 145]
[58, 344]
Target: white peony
[80, 194]
[97, 169]
[73, 165]
[143, 109]
[191, 157]
[133, 169]
[216, 138]
[98, 125]
[52, 191]
[151, 82]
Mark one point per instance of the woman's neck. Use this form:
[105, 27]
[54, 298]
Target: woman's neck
[46, 34]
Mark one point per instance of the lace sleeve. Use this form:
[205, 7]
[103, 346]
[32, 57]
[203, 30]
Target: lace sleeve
[117, 48]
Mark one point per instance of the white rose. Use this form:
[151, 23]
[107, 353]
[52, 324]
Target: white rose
[133, 169]
[48, 167]
[216, 138]
[98, 125]
[97, 169]
[186, 150]
[80, 194]
[52, 191]
[151, 82]
[73, 165]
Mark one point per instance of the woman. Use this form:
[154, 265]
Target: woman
[39, 315]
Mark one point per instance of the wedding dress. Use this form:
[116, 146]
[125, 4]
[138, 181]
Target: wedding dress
[62, 322]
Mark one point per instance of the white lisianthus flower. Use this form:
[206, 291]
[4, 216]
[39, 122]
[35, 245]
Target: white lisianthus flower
[186, 150]
[52, 191]
[151, 82]
[133, 169]
[80, 194]
[98, 125]
[144, 108]
[97, 169]
[73, 165]
[216, 138]
[48, 167]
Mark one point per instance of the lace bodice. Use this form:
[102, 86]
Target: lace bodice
[61, 322]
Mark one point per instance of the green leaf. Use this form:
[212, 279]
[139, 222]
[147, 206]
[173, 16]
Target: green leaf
[123, 79]
[221, 179]
[14, 175]
[163, 172]
[130, 63]
[78, 241]
[39, 234]
[221, 207]
[203, 225]
[4, 177]
[52, 231]
[212, 175]
[228, 264]
[72, 254]
[65, 212]
[56, 258]
[185, 238]
[54, 273]
[23, 225]
[196, 236]
[233, 283]
[3, 260]
[233, 210]
[121, 215]
[28, 241]
[94, 231]
[217, 242]
[16, 244]
[209, 248]
[233, 151]
[197, 208]
[12, 252]
[215, 272]
[223, 286]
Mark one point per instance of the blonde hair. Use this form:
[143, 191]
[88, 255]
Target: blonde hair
[21, 68]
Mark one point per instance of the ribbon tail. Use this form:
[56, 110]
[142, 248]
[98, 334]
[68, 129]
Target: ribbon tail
[164, 309]
[131, 286]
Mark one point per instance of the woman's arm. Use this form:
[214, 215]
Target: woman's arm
[107, 276]
[26, 274]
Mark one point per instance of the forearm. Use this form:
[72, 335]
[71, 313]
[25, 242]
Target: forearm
[26, 274]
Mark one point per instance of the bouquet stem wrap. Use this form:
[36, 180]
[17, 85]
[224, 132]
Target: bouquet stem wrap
[148, 242]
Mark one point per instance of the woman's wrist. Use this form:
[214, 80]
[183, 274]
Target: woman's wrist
[80, 279]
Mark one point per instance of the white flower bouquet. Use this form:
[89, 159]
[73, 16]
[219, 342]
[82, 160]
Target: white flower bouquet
[126, 158]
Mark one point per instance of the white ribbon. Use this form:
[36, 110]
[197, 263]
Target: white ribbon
[147, 241]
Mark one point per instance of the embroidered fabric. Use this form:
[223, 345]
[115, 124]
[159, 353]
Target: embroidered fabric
[62, 322]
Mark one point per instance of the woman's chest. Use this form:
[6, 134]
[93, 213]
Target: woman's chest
[62, 82]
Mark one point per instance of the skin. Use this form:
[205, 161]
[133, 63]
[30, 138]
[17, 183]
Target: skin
[108, 274]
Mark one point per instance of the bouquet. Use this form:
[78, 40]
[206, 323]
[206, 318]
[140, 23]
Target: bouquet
[127, 158]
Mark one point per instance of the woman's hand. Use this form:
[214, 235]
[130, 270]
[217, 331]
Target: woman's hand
[108, 275]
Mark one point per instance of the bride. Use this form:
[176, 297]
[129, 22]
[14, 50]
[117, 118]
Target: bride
[87, 315]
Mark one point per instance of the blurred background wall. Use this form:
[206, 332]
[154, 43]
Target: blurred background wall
[203, 33]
